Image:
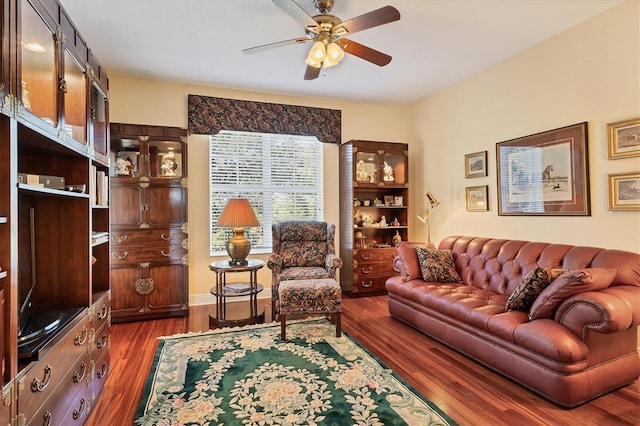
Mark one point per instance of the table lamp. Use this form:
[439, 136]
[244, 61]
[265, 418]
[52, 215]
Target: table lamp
[238, 214]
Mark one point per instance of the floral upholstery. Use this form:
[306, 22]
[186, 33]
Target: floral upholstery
[309, 297]
[302, 250]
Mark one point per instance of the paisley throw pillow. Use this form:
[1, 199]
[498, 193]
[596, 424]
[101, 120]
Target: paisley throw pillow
[530, 288]
[437, 265]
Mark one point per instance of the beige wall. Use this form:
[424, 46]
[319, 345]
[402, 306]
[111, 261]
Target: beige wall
[146, 102]
[588, 73]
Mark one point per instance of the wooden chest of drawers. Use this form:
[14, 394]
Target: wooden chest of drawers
[371, 268]
[57, 381]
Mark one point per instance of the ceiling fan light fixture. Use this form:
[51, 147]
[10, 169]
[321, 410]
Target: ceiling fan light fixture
[334, 52]
[317, 54]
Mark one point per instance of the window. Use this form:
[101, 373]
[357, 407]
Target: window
[280, 175]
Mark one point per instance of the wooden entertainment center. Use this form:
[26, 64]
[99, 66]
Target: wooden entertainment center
[54, 218]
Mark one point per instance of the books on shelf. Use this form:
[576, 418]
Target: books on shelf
[99, 187]
[99, 237]
[237, 287]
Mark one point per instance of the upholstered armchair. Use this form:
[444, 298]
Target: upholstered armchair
[302, 250]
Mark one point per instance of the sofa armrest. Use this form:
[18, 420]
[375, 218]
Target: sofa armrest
[609, 310]
[332, 262]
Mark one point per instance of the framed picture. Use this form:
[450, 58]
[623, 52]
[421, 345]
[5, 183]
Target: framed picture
[388, 200]
[475, 165]
[545, 174]
[477, 198]
[624, 138]
[624, 191]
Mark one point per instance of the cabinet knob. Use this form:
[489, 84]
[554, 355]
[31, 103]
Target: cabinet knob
[39, 386]
[367, 270]
[167, 238]
[78, 377]
[366, 256]
[120, 239]
[166, 254]
[103, 370]
[81, 338]
[80, 411]
[121, 256]
[366, 284]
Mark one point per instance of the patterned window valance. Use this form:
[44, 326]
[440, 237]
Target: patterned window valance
[208, 115]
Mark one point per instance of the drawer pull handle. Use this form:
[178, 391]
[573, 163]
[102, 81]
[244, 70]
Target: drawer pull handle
[165, 254]
[46, 419]
[121, 239]
[80, 339]
[80, 411]
[366, 285]
[367, 256]
[119, 257]
[167, 238]
[103, 341]
[37, 385]
[367, 270]
[103, 371]
[78, 377]
[102, 314]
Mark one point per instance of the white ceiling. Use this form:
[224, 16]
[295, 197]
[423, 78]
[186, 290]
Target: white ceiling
[435, 44]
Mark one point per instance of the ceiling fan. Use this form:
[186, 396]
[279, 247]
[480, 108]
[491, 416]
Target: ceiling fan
[328, 31]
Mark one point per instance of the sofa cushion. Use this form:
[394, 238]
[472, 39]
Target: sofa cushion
[437, 265]
[568, 284]
[409, 257]
[530, 288]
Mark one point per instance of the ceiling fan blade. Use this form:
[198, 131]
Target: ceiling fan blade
[311, 73]
[294, 10]
[384, 15]
[269, 46]
[364, 52]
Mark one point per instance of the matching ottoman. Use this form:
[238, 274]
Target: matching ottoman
[309, 297]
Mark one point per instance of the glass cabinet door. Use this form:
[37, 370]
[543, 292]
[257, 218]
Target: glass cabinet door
[394, 169]
[125, 158]
[165, 159]
[366, 167]
[39, 92]
[74, 88]
[99, 122]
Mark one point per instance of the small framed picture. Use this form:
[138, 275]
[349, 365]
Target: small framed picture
[624, 191]
[624, 138]
[475, 165]
[477, 198]
[388, 200]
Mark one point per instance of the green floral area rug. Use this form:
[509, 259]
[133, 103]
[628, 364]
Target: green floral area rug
[248, 376]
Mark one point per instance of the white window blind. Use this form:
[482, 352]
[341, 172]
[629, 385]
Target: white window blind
[280, 175]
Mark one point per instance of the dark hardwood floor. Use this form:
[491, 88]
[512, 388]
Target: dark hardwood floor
[468, 392]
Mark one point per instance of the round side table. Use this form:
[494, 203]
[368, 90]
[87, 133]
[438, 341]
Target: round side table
[222, 290]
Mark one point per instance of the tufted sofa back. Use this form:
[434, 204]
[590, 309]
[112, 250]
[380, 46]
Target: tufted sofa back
[499, 265]
[303, 243]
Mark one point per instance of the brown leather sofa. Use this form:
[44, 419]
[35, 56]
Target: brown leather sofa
[587, 346]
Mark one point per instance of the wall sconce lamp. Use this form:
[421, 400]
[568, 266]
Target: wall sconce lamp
[425, 217]
[238, 214]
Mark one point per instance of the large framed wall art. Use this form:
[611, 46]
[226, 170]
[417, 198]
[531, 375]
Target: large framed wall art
[545, 174]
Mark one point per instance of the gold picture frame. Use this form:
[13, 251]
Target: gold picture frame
[624, 191]
[475, 164]
[477, 198]
[623, 139]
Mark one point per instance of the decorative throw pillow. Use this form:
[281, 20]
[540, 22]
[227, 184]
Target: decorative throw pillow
[530, 288]
[568, 284]
[409, 256]
[437, 265]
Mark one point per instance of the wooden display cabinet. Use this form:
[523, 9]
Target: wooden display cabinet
[54, 276]
[373, 212]
[148, 193]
